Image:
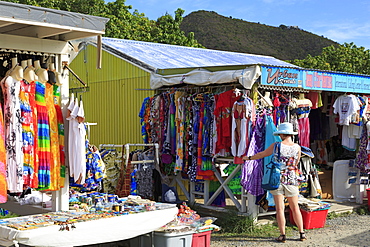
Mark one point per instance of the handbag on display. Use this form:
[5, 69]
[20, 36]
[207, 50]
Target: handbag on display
[315, 189]
[272, 172]
[305, 179]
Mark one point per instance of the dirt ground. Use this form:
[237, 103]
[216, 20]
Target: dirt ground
[352, 230]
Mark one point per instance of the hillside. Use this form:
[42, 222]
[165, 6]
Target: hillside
[223, 33]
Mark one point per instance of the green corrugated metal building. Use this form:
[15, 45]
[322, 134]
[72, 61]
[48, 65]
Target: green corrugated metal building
[110, 99]
[114, 93]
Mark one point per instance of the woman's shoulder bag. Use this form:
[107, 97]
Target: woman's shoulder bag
[271, 172]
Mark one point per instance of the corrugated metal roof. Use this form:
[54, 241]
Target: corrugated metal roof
[164, 56]
[44, 23]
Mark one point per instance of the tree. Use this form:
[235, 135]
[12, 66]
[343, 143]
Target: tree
[123, 24]
[167, 30]
[345, 58]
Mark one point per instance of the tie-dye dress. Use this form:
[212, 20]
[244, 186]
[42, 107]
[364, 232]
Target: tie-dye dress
[3, 185]
[54, 138]
[43, 134]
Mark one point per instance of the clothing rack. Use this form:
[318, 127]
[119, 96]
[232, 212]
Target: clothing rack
[73, 73]
[89, 129]
[127, 149]
[185, 88]
[79, 89]
[110, 146]
[156, 153]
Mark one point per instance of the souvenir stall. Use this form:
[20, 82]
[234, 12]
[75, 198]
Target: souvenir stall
[34, 54]
[215, 125]
[37, 153]
[198, 127]
[332, 115]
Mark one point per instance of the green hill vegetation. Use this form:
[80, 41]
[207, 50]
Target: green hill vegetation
[218, 32]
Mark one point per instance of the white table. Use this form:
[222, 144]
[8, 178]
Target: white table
[90, 232]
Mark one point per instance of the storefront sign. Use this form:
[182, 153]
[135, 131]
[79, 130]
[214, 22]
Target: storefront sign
[315, 80]
[276, 76]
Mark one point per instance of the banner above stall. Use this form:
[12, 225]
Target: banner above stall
[315, 80]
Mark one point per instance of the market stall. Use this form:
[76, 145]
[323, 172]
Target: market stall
[336, 120]
[208, 108]
[35, 41]
[35, 53]
[196, 126]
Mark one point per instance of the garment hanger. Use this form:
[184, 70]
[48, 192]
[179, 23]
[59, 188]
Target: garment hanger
[237, 92]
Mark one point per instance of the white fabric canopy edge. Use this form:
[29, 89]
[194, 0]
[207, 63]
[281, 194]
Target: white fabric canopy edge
[202, 77]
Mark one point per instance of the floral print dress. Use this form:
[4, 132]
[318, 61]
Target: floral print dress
[13, 133]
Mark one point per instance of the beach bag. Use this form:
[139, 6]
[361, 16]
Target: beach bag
[271, 172]
[315, 184]
[304, 181]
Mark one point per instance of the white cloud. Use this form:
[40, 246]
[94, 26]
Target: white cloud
[345, 32]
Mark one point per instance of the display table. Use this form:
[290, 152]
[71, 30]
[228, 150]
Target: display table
[91, 232]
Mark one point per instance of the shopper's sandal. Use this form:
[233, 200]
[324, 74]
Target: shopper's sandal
[302, 236]
[281, 238]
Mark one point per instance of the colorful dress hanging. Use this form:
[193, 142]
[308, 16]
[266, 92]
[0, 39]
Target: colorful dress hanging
[54, 138]
[224, 103]
[252, 170]
[59, 113]
[28, 132]
[3, 185]
[32, 98]
[13, 134]
[43, 137]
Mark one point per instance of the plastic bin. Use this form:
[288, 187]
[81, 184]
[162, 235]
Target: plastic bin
[368, 198]
[144, 240]
[169, 239]
[311, 220]
[202, 239]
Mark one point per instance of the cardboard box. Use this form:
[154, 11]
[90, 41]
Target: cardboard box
[326, 182]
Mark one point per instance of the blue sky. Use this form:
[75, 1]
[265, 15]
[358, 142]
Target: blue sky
[338, 20]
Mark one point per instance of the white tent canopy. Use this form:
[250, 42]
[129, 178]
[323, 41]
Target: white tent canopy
[202, 77]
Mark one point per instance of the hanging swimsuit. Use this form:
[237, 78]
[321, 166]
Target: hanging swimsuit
[240, 115]
[303, 111]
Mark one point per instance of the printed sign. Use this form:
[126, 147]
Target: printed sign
[281, 77]
[315, 80]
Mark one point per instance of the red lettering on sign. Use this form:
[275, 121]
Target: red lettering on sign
[308, 80]
[317, 80]
[327, 81]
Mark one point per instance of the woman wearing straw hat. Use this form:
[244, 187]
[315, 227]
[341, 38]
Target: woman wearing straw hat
[290, 153]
